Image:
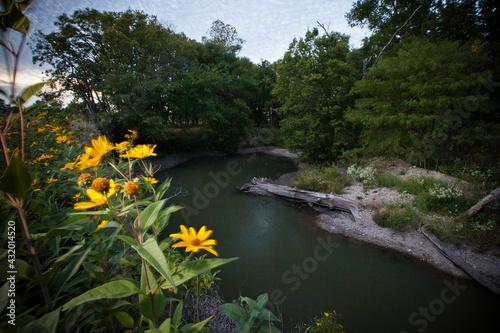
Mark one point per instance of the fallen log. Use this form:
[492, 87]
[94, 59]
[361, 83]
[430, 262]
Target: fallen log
[486, 200]
[461, 263]
[330, 201]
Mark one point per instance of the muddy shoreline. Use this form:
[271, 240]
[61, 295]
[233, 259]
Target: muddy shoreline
[412, 243]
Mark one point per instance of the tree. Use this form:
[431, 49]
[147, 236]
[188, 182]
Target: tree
[313, 84]
[424, 103]
[73, 52]
[224, 35]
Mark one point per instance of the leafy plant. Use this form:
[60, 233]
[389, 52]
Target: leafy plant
[252, 317]
[326, 323]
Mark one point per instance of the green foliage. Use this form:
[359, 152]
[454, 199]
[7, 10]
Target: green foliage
[416, 104]
[321, 179]
[252, 317]
[401, 217]
[326, 323]
[314, 78]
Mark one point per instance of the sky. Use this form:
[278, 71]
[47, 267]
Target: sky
[267, 26]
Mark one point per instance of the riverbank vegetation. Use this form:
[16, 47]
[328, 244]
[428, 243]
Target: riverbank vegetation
[86, 209]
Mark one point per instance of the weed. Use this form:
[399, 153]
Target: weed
[321, 179]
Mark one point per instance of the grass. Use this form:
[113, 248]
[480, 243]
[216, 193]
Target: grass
[321, 179]
[400, 217]
[439, 206]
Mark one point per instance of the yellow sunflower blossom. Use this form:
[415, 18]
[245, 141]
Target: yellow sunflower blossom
[151, 180]
[100, 147]
[140, 151]
[51, 180]
[44, 156]
[96, 199]
[122, 144]
[62, 139]
[77, 196]
[194, 241]
[102, 224]
[33, 183]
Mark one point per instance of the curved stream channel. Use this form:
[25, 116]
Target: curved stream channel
[308, 271]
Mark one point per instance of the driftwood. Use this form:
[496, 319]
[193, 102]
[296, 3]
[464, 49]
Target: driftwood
[461, 263]
[311, 198]
[486, 200]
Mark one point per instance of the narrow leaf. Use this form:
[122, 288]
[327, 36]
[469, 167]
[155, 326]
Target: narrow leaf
[30, 91]
[234, 311]
[191, 269]
[151, 252]
[124, 318]
[114, 289]
[149, 215]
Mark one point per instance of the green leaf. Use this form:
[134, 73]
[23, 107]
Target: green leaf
[127, 239]
[234, 311]
[195, 328]
[149, 215]
[16, 178]
[165, 326]
[151, 252]
[114, 289]
[176, 319]
[162, 220]
[30, 91]
[14, 18]
[124, 318]
[191, 269]
[47, 323]
[160, 191]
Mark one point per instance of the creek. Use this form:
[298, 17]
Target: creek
[307, 271]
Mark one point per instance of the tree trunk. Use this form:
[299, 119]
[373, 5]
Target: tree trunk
[486, 200]
[311, 198]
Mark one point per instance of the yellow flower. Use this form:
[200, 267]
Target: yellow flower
[341, 327]
[131, 188]
[51, 180]
[196, 241]
[327, 314]
[122, 144]
[100, 147]
[132, 136]
[140, 151]
[62, 139]
[33, 183]
[43, 157]
[97, 199]
[102, 224]
[319, 324]
[151, 180]
[77, 196]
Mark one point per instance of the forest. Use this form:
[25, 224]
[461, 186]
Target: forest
[422, 87]
[84, 218]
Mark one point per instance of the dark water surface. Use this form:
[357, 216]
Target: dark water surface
[308, 271]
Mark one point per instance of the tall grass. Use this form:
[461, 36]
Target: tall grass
[322, 179]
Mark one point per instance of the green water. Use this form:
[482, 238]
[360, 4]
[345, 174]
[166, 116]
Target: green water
[308, 271]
